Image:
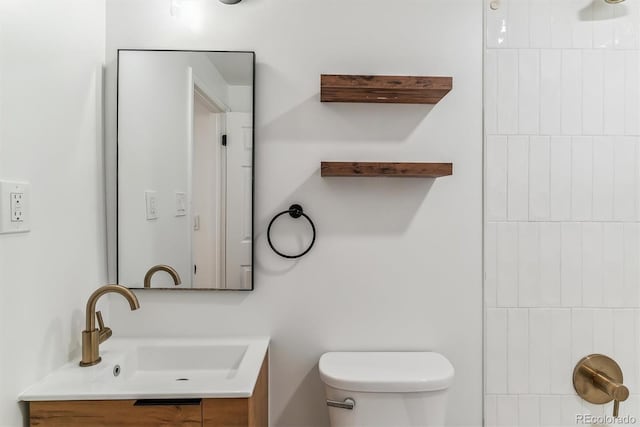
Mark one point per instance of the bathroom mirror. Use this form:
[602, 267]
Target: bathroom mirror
[185, 169]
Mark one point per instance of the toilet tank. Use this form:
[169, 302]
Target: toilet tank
[397, 389]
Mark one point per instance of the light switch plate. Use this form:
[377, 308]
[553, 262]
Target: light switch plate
[181, 204]
[151, 201]
[14, 207]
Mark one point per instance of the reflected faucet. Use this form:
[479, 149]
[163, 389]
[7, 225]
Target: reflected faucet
[153, 270]
[93, 337]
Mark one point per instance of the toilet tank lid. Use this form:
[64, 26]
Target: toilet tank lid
[386, 372]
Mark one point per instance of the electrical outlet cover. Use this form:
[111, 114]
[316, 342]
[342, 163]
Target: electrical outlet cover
[14, 207]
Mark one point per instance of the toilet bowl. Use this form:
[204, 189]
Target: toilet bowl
[398, 389]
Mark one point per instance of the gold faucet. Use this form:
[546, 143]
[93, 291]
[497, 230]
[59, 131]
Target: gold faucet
[93, 337]
[153, 270]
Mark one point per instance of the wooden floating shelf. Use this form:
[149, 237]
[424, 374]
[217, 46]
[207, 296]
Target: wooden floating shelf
[384, 89]
[389, 169]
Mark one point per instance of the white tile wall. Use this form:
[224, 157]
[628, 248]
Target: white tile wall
[528, 263]
[541, 351]
[517, 177]
[539, 24]
[561, 360]
[571, 89]
[562, 240]
[624, 344]
[632, 93]
[602, 327]
[529, 411]
[550, 92]
[496, 179]
[560, 178]
[550, 249]
[578, 178]
[581, 178]
[528, 94]
[507, 411]
[571, 264]
[490, 271]
[603, 175]
[549, 410]
[491, 91]
[603, 32]
[539, 175]
[517, 351]
[507, 99]
[496, 347]
[625, 178]
[506, 257]
[631, 264]
[614, 92]
[592, 277]
[593, 91]
[613, 265]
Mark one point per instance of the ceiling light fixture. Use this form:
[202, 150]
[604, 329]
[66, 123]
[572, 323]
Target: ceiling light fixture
[230, 1]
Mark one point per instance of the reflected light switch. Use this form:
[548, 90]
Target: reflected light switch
[181, 204]
[151, 200]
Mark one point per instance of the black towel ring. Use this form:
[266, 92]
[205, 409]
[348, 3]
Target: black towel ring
[295, 211]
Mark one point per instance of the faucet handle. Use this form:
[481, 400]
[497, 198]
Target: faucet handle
[104, 331]
[100, 320]
[598, 379]
[620, 395]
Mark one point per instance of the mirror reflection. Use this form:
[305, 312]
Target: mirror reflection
[185, 169]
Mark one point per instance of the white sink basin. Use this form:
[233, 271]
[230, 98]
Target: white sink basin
[219, 360]
[145, 368]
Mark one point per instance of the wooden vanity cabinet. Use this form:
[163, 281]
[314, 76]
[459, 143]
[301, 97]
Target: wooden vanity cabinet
[123, 413]
[223, 412]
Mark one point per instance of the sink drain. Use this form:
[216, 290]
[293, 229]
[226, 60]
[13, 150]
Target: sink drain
[116, 370]
[182, 379]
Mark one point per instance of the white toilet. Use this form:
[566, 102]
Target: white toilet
[398, 389]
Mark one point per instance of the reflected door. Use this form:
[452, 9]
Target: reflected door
[239, 176]
[208, 201]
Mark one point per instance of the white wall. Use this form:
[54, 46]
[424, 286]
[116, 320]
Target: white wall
[241, 98]
[397, 264]
[563, 181]
[50, 135]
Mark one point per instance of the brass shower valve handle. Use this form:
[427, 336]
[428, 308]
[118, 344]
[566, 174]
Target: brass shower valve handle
[606, 384]
[598, 379]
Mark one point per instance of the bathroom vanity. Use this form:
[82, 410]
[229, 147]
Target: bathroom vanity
[184, 159]
[218, 412]
[153, 382]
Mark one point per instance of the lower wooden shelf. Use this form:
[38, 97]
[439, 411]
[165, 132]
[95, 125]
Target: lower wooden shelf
[388, 169]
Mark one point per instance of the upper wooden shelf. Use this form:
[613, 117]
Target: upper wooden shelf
[390, 169]
[384, 89]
